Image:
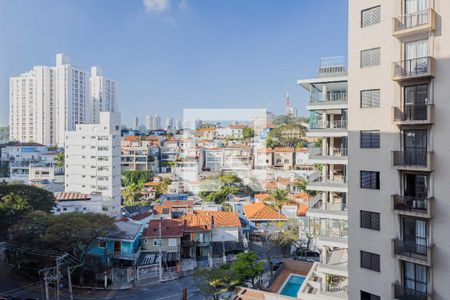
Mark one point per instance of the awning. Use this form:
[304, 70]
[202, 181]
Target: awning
[151, 258]
[230, 246]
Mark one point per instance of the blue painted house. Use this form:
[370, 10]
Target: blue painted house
[120, 248]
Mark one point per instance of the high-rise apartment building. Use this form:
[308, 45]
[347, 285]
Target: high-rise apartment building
[149, 122]
[328, 210]
[136, 123]
[157, 122]
[47, 101]
[399, 78]
[93, 160]
[103, 94]
[178, 124]
[169, 123]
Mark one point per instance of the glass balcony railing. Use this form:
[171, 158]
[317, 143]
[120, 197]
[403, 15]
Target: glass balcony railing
[412, 249]
[408, 204]
[412, 158]
[339, 124]
[413, 68]
[339, 152]
[413, 114]
[329, 98]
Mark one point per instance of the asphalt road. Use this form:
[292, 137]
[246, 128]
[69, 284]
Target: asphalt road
[12, 283]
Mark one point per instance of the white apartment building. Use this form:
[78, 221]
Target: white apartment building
[103, 94]
[327, 214]
[93, 160]
[47, 101]
[169, 124]
[399, 78]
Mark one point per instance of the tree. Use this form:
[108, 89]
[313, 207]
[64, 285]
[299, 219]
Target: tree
[136, 177]
[279, 197]
[162, 188]
[60, 158]
[18, 200]
[288, 135]
[214, 282]
[74, 233]
[248, 133]
[217, 188]
[301, 184]
[132, 193]
[285, 239]
[247, 267]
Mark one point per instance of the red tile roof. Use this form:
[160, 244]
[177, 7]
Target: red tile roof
[142, 216]
[260, 211]
[302, 209]
[197, 223]
[169, 228]
[262, 197]
[283, 149]
[178, 203]
[221, 218]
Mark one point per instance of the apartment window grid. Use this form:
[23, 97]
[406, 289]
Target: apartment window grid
[370, 261]
[370, 16]
[370, 57]
[370, 98]
[369, 296]
[370, 180]
[370, 220]
[370, 139]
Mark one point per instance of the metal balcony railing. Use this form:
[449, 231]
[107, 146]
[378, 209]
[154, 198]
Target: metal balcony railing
[413, 113]
[412, 204]
[412, 158]
[317, 151]
[336, 179]
[340, 124]
[409, 22]
[412, 249]
[403, 293]
[330, 97]
[412, 68]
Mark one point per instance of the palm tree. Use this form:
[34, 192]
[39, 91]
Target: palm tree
[279, 197]
[59, 158]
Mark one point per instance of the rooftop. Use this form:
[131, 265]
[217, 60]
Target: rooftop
[169, 228]
[259, 211]
[66, 196]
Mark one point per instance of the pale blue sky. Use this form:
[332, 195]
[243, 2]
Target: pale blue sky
[173, 54]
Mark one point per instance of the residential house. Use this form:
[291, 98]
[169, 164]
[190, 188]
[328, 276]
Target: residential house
[206, 133]
[263, 217]
[283, 158]
[139, 153]
[77, 202]
[264, 158]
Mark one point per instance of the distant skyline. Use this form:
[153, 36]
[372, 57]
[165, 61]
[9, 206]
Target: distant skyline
[167, 55]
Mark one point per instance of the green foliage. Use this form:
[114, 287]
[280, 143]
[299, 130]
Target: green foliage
[132, 194]
[135, 177]
[162, 188]
[279, 197]
[288, 135]
[217, 188]
[74, 233]
[248, 133]
[284, 239]
[18, 200]
[214, 282]
[60, 158]
[247, 267]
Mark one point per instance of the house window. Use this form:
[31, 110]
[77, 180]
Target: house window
[370, 57]
[369, 220]
[117, 246]
[370, 16]
[370, 180]
[172, 242]
[102, 244]
[370, 261]
[157, 242]
[369, 296]
[370, 98]
[370, 139]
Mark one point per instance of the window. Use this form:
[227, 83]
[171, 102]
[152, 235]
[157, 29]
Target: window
[369, 296]
[370, 57]
[172, 242]
[370, 16]
[370, 98]
[415, 277]
[369, 220]
[370, 180]
[370, 139]
[102, 244]
[370, 261]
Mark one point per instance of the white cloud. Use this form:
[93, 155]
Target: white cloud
[183, 5]
[157, 6]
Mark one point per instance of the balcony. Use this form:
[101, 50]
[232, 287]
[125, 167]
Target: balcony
[337, 210]
[336, 183]
[328, 156]
[417, 68]
[411, 251]
[329, 99]
[413, 115]
[412, 206]
[414, 23]
[327, 128]
[412, 159]
[401, 292]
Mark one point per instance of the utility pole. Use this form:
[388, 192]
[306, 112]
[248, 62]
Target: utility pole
[58, 274]
[47, 297]
[160, 252]
[69, 279]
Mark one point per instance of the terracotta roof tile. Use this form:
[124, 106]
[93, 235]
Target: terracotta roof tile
[262, 197]
[302, 209]
[169, 228]
[283, 149]
[260, 211]
[178, 203]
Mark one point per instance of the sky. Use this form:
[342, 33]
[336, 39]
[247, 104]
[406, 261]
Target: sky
[167, 55]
